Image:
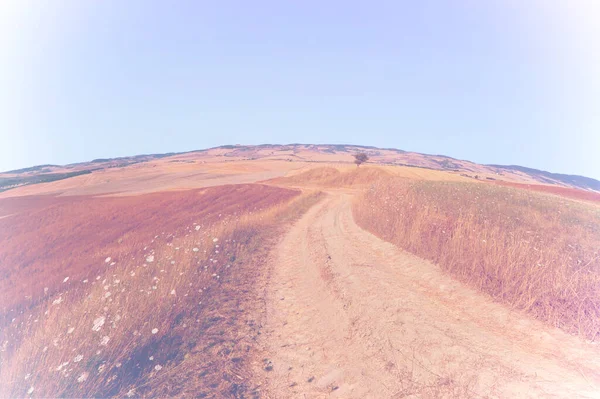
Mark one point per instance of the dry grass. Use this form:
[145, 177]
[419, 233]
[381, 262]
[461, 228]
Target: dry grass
[535, 252]
[50, 238]
[332, 177]
[173, 316]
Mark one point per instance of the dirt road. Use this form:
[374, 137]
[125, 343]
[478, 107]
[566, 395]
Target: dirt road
[351, 316]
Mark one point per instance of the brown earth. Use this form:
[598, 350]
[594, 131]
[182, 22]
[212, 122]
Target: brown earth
[351, 316]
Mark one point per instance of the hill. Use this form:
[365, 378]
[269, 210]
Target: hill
[323, 153]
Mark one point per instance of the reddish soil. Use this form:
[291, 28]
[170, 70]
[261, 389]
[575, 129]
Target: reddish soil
[45, 239]
[557, 190]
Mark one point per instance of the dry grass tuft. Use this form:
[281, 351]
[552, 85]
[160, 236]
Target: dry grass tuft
[535, 252]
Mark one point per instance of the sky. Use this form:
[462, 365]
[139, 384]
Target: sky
[497, 81]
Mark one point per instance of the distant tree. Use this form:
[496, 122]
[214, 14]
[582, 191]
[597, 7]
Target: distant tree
[360, 158]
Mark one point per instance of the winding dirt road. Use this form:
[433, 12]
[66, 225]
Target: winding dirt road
[351, 316]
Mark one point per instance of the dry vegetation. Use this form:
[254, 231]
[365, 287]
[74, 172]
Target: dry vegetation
[535, 252]
[50, 238]
[331, 177]
[155, 294]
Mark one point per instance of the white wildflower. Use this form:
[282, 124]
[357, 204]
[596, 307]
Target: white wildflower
[98, 323]
[158, 367]
[150, 258]
[30, 391]
[70, 330]
[78, 358]
[151, 358]
[107, 260]
[215, 239]
[57, 301]
[130, 393]
[83, 377]
[65, 280]
[105, 340]
[197, 228]
[106, 295]
[154, 330]
[60, 367]
[173, 292]
[195, 250]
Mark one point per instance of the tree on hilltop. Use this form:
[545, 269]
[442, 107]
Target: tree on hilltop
[360, 158]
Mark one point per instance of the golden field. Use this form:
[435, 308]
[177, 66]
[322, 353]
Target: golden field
[534, 252]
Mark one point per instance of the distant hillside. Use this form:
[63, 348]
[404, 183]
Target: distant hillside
[324, 153]
[37, 168]
[7, 183]
[572, 180]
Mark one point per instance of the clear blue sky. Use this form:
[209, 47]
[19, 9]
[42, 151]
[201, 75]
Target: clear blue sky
[498, 81]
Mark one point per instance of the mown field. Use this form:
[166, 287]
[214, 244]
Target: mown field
[143, 296]
[535, 252]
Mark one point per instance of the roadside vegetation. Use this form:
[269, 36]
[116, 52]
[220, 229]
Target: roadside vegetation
[170, 314]
[536, 252]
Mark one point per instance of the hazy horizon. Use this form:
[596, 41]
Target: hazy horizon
[499, 82]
